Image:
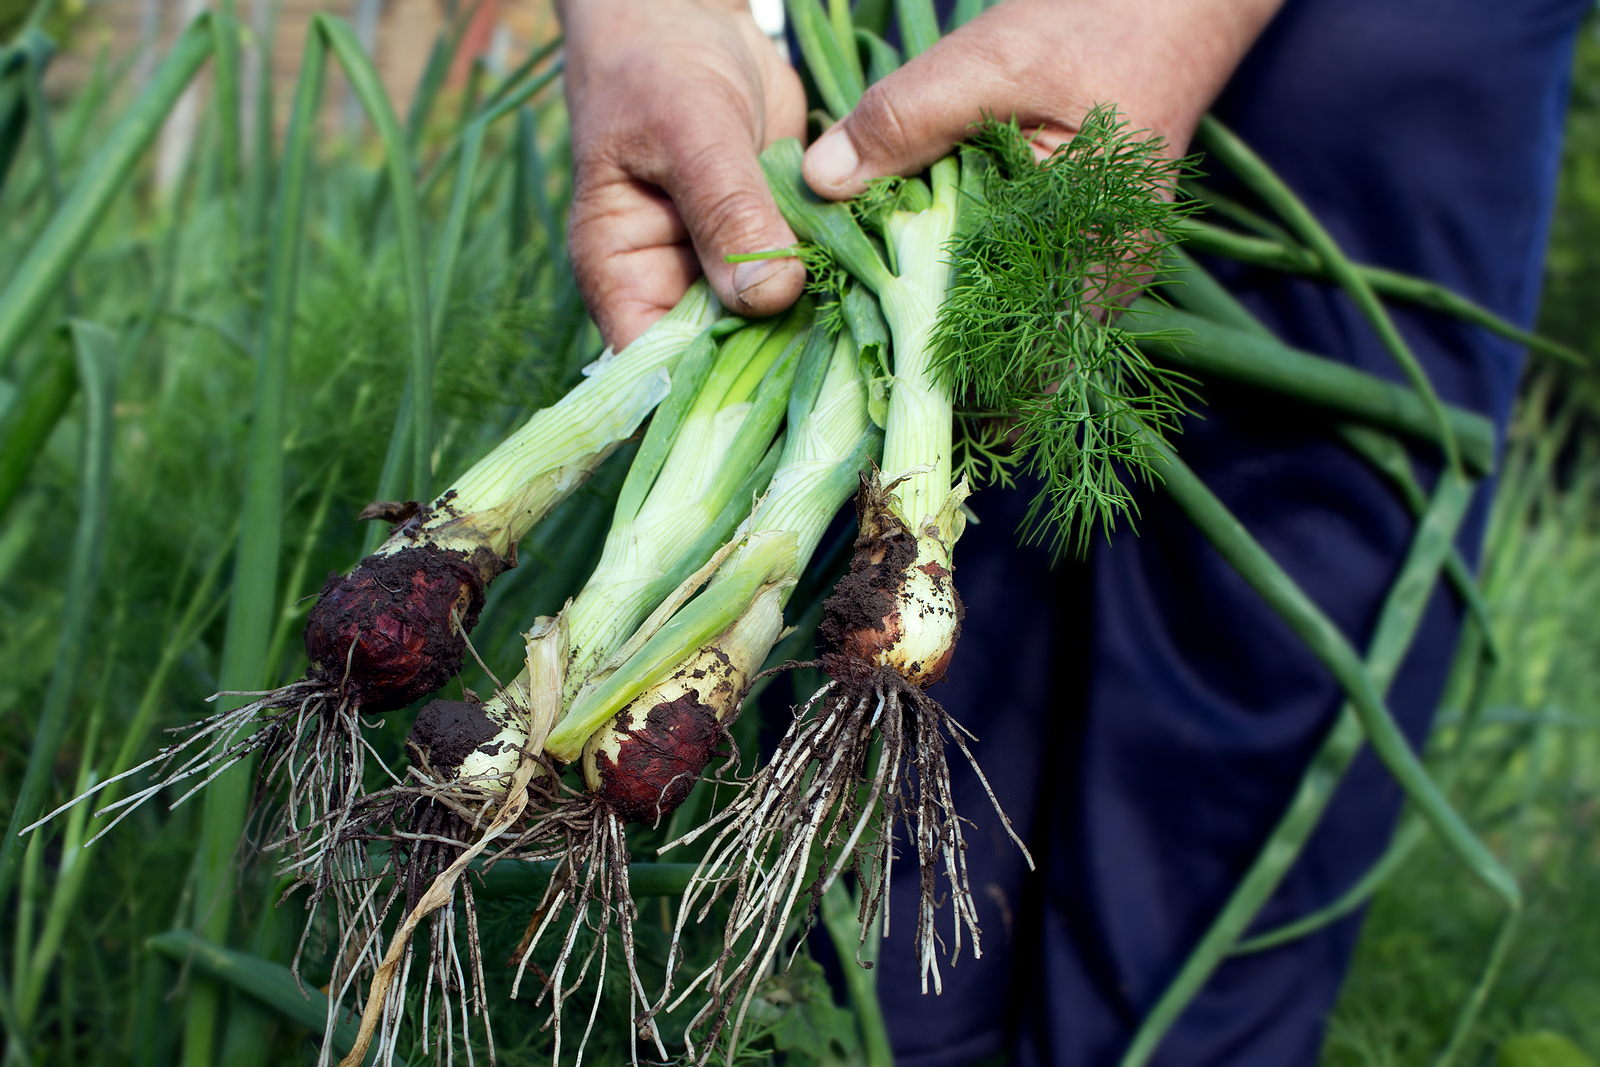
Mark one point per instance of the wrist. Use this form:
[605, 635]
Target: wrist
[582, 14]
[1162, 62]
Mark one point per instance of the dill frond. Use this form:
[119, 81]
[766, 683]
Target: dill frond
[1051, 250]
[826, 280]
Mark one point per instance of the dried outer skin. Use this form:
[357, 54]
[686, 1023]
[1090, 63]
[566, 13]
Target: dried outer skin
[898, 606]
[645, 769]
[383, 634]
[645, 761]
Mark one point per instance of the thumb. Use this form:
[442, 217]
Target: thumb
[916, 115]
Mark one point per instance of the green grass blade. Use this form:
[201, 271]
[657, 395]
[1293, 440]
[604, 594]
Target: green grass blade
[837, 80]
[964, 12]
[455, 229]
[883, 58]
[270, 983]
[842, 24]
[520, 197]
[840, 916]
[1192, 288]
[85, 112]
[72, 864]
[919, 25]
[1207, 348]
[1397, 623]
[27, 422]
[1389, 457]
[252, 607]
[36, 280]
[873, 15]
[1253, 170]
[95, 349]
[1464, 692]
[364, 81]
[440, 57]
[40, 50]
[1245, 217]
[296, 603]
[537, 178]
[225, 82]
[1410, 835]
[258, 179]
[13, 110]
[496, 108]
[525, 68]
[393, 473]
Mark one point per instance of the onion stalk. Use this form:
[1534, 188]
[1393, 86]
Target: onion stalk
[891, 626]
[646, 733]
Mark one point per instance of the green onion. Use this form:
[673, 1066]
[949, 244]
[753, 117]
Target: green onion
[648, 722]
[994, 279]
[815, 474]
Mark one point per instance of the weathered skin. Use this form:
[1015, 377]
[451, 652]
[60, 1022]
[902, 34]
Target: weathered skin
[652, 757]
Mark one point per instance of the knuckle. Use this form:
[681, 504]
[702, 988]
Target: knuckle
[730, 218]
[880, 125]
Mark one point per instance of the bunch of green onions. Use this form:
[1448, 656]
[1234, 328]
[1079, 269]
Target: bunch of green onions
[636, 680]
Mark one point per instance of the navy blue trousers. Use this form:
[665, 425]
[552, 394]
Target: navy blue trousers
[1144, 716]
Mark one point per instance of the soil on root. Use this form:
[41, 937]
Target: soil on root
[439, 835]
[862, 620]
[384, 634]
[826, 802]
[589, 890]
[448, 731]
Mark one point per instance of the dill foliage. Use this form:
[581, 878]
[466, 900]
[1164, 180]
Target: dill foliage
[826, 280]
[1042, 250]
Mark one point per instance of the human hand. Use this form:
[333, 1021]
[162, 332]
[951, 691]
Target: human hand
[1048, 63]
[671, 101]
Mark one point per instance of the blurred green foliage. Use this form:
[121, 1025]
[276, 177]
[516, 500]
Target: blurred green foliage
[61, 19]
[1572, 266]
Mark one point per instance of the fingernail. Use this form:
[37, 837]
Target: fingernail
[833, 158]
[752, 275]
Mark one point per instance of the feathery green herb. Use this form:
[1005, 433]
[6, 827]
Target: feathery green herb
[1043, 250]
